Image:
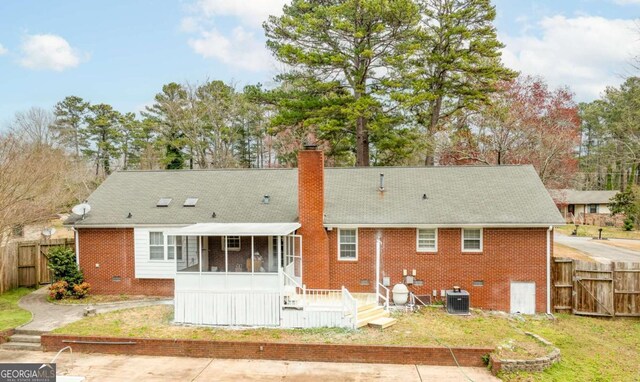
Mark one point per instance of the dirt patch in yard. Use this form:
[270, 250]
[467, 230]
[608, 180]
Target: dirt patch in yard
[561, 250]
[633, 245]
[104, 299]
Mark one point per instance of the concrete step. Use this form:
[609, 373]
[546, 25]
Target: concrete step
[29, 332]
[25, 338]
[383, 322]
[20, 346]
[365, 321]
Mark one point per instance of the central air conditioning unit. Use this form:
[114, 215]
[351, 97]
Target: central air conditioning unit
[457, 301]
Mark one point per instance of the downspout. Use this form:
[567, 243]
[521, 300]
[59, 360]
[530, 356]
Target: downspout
[549, 269]
[77, 244]
[378, 250]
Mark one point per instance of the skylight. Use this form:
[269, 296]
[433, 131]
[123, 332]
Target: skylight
[190, 202]
[163, 202]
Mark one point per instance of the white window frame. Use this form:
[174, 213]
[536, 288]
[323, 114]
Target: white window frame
[164, 246]
[426, 250]
[175, 246]
[481, 240]
[596, 208]
[225, 240]
[340, 258]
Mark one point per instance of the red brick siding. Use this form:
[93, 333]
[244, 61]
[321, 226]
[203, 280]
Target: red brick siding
[508, 255]
[113, 249]
[216, 252]
[311, 215]
[273, 351]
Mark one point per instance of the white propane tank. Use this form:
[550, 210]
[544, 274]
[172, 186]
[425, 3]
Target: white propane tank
[400, 294]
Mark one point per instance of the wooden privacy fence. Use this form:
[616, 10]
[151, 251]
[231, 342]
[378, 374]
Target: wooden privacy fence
[596, 289]
[25, 263]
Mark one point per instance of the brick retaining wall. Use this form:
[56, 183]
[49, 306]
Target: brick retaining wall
[269, 350]
[5, 334]
[536, 365]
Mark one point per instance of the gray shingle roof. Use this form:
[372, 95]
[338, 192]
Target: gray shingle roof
[570, 196]
[455, 195]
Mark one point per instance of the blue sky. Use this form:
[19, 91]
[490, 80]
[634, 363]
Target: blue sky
[122, 52]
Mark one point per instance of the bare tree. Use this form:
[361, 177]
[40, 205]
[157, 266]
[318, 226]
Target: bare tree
[36, 181]
[34, 126]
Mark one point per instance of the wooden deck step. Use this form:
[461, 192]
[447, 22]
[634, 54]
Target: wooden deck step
[364, 307]
[383, 322]
[364, 321]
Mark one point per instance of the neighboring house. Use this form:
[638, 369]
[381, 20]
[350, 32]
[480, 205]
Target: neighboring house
[585, 207]
[34, 231]
[325, 241]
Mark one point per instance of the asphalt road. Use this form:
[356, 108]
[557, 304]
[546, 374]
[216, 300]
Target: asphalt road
[598, 250]
[104, 367]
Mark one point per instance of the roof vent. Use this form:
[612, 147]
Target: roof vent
[266, 199]
[130, 215]
[190, 202]
[163, 202]
[213, 215]
[424, 197]
[381, 188]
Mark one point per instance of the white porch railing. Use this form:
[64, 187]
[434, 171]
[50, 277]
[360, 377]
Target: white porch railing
[349, 306]
[322, 297]
[383, 294]
[292, 292]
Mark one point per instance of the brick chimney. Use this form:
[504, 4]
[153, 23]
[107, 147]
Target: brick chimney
[315, 243]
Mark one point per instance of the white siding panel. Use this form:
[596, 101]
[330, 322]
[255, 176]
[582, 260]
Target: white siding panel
[307, 318]
[146, 268]
[227, 308]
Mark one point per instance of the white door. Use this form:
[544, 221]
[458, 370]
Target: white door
[523, 297]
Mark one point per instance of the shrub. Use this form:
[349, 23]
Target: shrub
[628, 224]
[62, 261]
[59, 290]
[81, 290]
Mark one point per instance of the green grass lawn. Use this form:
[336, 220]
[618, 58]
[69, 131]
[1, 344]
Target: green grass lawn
[10, 314]
[592, 349]
[592, 231]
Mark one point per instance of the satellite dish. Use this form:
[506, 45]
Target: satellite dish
[81, 209]
[48, 232]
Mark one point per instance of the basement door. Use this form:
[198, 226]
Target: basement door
[523, 297]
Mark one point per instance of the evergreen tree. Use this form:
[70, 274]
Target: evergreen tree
[349, 43]
[453, 64]
[70, 122]
[103, 131]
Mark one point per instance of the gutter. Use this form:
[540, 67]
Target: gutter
[549, 231]
[447, 225]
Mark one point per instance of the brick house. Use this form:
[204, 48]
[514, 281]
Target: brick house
[313, 246]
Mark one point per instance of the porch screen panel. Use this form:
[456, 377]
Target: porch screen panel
[190, 261]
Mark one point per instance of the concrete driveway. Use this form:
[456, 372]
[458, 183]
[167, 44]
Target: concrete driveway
[601, 251]
[103, 367]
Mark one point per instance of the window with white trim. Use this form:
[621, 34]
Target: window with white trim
[233, 243]
[347, 244]
[427, 239]
[156, 245]
[472, 240]
[593, 208]
[174, 247]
